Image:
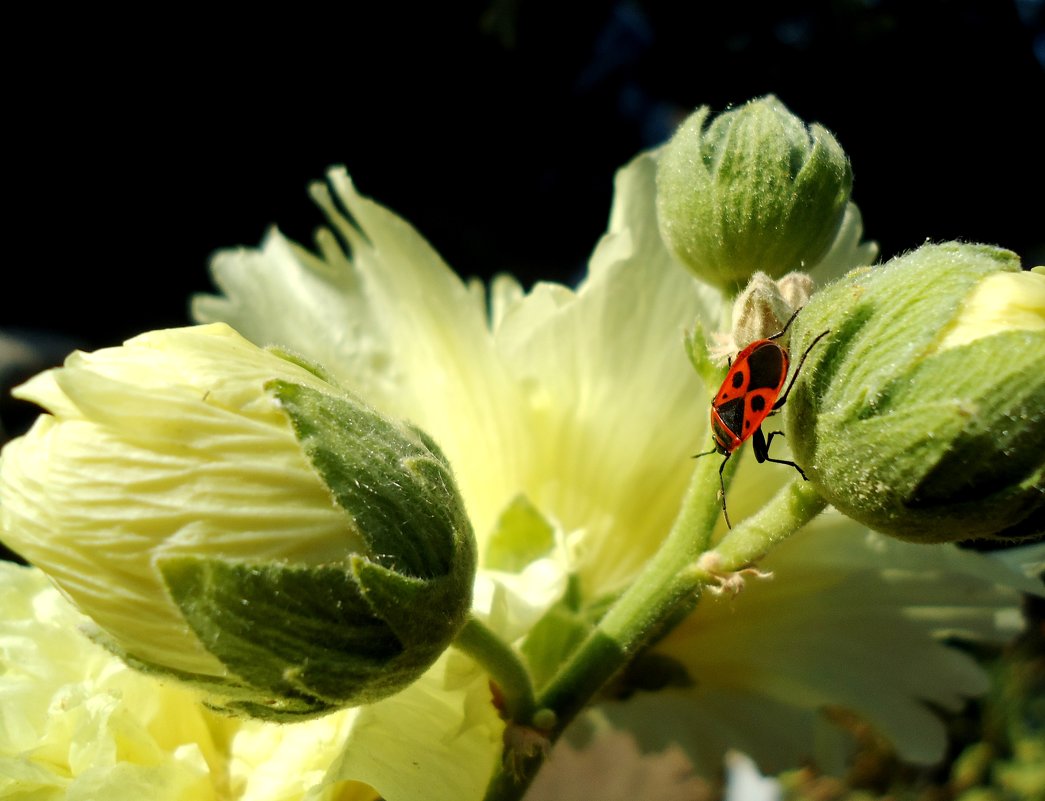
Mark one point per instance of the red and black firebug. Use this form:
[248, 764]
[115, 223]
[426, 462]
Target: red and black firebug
[750, 394]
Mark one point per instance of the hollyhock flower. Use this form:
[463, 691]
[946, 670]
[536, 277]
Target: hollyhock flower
[569, 417]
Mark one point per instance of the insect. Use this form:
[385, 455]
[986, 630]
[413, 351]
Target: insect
[750, 394]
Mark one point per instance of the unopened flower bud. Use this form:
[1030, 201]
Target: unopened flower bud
[922, 414]
[761, 310]
[227, 516]
[753, 189]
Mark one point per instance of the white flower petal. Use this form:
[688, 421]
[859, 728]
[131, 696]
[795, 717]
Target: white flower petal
[849, 619]
[511, 603]
[77, 723]
[393, 323]
[849, 250]
[617, 408]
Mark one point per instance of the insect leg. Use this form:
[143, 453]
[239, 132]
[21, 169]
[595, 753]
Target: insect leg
[721, 480]
[722, 484]
[761, 448]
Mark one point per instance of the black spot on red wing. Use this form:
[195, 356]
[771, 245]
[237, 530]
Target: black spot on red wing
[735, 384]
[758, 404]
[767, 367]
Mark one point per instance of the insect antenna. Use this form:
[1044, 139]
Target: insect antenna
[791, 383]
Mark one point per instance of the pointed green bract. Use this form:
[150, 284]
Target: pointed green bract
[392, 481]
[313, 636]
[521, 536]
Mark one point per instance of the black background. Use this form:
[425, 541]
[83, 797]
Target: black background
[140, 143]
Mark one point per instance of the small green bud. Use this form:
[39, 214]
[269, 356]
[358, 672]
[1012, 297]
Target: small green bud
[754, 189]
[227, 516]
[922, 414]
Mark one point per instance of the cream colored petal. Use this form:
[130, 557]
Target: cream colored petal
[407, 747]
[511, 603]
[617, 409]
[849, 249]
[79, 724]
[414, 741]
[200, 474]
[849, 619]
[393, 323]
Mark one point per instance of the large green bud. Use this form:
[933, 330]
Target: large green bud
[922, 414]
[229, 517]
[754, 189]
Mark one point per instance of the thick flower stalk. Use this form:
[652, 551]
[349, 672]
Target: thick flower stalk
[924, 415]
[227, 516]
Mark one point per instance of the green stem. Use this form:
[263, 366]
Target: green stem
[654, 597]
[504, 665]
[668, 587]
[659, 593]
[794, 505]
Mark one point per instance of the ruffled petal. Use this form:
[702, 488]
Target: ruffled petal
[616, 407]
[79, 724]
[850, 620]
[393, 323]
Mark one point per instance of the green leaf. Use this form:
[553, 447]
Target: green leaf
[552, 639]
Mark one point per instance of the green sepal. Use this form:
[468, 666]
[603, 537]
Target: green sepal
[521, 535]
[389, 477]
[424, 614]
[696, 345]
[552, 639]
[316, 369]
[300, 641]
[225, 693]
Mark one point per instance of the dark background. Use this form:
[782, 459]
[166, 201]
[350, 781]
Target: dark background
[139, 144]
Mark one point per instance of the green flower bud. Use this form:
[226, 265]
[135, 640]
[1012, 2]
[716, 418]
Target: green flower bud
[227, 516]
[922, 414]
[754, 189]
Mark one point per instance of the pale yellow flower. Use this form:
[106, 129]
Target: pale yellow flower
[77, 723]
[228, 517]
[999, 303]
[569, 417]
[155, 449]
[582, 402]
